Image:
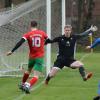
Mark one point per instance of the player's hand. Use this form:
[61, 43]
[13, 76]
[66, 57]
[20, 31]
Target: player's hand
[93, 28]
[8, 53]
[88, 47]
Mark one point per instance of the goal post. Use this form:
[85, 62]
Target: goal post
[49, 24]
[48, 54]
[63, 15]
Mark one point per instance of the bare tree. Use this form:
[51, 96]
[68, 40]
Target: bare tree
[80, 12]
[88, 19]
[8, 3]
[85, 10]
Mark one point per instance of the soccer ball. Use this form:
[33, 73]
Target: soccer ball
[27, 84]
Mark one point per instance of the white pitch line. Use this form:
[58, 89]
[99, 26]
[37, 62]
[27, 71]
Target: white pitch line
[86, 55]
[20, 97]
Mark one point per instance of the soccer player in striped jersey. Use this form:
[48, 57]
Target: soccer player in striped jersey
[65, 57]
[36, 41]
[95, 43]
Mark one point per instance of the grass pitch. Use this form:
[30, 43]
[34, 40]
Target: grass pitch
[67, 85]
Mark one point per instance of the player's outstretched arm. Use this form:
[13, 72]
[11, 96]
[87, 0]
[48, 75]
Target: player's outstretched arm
[52, 41]
[48, 41]
[16, 46]
[90, 30]
[85, 33]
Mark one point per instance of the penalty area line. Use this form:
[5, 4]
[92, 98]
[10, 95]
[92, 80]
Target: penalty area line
[83, 57]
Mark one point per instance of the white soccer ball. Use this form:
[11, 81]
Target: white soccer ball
[27, 84]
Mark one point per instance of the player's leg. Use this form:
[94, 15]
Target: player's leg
[32, 81]
[38, 66]
[52, 73]
[58, 64]
[31, 63]
[78, 64]
[24, 79]
[26, 73]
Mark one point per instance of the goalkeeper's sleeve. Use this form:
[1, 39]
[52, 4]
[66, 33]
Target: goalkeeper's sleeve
[88, 31]
[52, 41]
[18, 44]
[48, 41]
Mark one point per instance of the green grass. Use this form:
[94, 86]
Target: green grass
[67, 85]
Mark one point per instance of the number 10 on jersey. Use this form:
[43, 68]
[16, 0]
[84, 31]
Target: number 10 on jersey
[36, 41]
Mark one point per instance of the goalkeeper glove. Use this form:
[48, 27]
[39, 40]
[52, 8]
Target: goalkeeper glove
[93, 28]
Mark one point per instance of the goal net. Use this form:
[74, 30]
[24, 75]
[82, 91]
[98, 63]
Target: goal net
[14, 22]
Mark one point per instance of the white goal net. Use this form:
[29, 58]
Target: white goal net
[14, 23]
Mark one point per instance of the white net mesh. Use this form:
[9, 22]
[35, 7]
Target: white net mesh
[14, 23]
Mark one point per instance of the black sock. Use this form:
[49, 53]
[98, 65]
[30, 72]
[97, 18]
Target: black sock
[48, 78]
[82, 72]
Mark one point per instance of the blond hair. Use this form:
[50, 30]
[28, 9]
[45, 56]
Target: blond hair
[68, 26]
